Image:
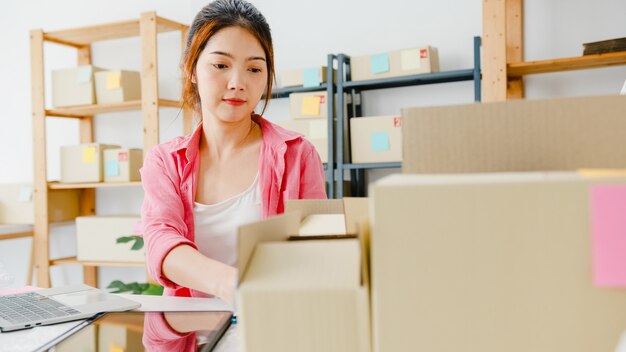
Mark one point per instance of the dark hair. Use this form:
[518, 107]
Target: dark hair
[213, 17]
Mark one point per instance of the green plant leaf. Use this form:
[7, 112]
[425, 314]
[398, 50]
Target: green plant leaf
[124, 239]
[138, 244]
[116, 284]
[155, 290]
[136, 288]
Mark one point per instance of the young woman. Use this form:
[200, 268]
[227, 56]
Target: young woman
[235, 168]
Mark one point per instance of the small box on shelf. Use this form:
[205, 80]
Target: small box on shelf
[308, 105]
[376, 139]
[395, 63]
[96, 239]
[305, 77]
[74, 86]
[117, 86]
[122, 165]
[83, 162]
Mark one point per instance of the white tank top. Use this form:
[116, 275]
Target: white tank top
[216, 224]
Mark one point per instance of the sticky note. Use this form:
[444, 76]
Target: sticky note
[84, 74]
[379, 141]
[311, 77]
[410, 59]
[114, 79]
[318, 129]
[608, 231]
[89, 155]
[311, 105]
[26, 194]
[379, 63]
[112, 167]
[122, 156]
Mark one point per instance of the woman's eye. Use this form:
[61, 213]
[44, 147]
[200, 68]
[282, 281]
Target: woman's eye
[255, 70]
[219, 66]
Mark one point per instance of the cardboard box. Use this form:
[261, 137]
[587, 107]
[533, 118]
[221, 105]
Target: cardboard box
[74, 86]
[307, 295]
[315, 130]
[395, 63]
[520, 135]
[83, 162]
[308, 105]
[96, 238]
[376, 139]
[17, 207]
[488, 262]
[117, 86]
[122, 165]
[305, 77]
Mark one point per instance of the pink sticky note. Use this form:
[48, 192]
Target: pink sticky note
[608, 226]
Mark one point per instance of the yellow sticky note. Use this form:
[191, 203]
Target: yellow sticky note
[113, 347]
[311, 105]
[114, 79]
[89, 155]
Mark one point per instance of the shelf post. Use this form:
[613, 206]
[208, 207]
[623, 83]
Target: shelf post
[149, 80]
[40, 177]
[514, 45]
[494, 81]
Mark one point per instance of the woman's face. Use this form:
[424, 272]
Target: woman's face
[231, 75]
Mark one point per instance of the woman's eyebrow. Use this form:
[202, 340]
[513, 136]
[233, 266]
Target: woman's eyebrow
[252, 58]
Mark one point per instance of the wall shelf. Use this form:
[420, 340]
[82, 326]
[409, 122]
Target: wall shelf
[88, 110]
[519, 69]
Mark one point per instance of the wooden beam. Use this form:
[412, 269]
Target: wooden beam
[514, 45]
[88, 196]
[567, 64]
[494, 51]
[149, 81]
[187, 112]
[40, 194]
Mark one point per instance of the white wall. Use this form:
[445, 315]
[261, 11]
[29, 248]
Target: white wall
[304, 32]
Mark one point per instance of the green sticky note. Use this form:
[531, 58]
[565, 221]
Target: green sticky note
[379, 141]
[379, 63]
[112, 168]
[311, 77]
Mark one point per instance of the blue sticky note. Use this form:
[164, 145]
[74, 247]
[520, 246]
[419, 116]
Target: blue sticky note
[379, 141]
[112, 168]
[379, 63]
[311, 77]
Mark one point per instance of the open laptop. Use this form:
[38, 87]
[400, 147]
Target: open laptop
[56, 305]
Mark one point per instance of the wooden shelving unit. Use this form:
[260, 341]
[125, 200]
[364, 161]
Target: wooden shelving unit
[504, 65]
[146, 27]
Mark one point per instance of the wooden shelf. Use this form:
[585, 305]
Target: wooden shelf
[59, 185]
[74, 261]
[88, 110]
[519, 69]
[78, 37]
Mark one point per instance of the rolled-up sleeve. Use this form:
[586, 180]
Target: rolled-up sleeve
[312, 178]
[162, 216]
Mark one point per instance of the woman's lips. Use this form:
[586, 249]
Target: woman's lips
[234, 102]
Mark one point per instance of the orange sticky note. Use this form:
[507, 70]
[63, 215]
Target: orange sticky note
[89, 155]
[311, 105]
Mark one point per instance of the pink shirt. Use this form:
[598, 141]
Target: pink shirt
[289, 168]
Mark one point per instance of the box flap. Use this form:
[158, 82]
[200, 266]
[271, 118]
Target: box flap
[323, 224]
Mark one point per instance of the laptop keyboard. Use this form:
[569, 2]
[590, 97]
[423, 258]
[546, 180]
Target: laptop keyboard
[31, 307]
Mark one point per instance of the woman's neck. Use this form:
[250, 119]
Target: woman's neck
[221, 139]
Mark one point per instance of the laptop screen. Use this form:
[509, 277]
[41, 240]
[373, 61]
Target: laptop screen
[150, 331]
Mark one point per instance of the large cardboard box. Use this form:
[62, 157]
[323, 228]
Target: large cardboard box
[523, 135]
[376, 139]
[305, 295]
[488, 262]
[306, 77]
[315, 130]
[395, 63]
[17, 207]
[122, 165]
[83, 162]
[96, 239]
[308, 105]
[117, 86]
[74, 86]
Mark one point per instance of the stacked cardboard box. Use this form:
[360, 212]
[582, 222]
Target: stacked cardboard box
[17, 207]
[376, 139]
[305, 295]
[83, 162]
[122, 165]
[117, 86]
[395, 63]
[306, 77]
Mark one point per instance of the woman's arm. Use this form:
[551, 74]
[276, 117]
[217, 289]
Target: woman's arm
[187, 267]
